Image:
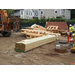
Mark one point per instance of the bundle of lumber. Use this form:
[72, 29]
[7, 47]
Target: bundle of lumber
[26, 45]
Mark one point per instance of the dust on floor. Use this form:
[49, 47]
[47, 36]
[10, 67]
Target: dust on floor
[43, 55]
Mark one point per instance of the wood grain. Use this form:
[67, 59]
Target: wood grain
[33, 43]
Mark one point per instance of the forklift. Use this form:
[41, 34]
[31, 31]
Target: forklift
[7, 24]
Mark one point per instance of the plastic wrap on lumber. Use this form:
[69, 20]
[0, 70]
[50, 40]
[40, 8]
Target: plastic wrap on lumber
[33, 43]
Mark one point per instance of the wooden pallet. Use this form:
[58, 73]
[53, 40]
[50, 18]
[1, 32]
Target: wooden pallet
[31, 35]
[37, 33]
[52, 27]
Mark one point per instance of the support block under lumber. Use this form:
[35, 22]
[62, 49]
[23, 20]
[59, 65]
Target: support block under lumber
[26, 45]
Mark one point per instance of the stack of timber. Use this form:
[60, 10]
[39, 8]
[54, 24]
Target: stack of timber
[24, 45]
[38, 33]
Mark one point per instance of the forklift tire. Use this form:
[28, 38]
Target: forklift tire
[71, 51]
[6, 34]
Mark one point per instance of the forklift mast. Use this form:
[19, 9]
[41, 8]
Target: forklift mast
[4, 21]
[8, 23]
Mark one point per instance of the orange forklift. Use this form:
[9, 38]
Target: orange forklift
[8, 24]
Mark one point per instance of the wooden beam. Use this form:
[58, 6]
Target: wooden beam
[33, 43]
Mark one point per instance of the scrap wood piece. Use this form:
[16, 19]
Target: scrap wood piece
[24, 46]
[35, 26]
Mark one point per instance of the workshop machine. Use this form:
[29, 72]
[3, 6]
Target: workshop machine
[7, 24]
[73, 47]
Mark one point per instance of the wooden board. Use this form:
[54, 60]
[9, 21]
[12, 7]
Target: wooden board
[33, 43]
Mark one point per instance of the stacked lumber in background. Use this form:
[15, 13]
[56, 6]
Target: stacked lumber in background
[62, 27]
[53, 29]
[38, 27]
[38, 33]
[26, 45]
